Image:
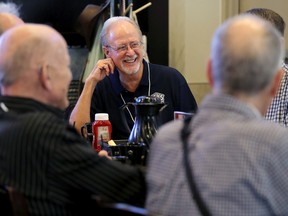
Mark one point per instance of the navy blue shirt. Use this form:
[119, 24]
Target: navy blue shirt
[164, 80]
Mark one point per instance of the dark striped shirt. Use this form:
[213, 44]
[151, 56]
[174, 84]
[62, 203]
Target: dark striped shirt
[43, 157]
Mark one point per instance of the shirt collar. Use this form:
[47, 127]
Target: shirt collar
[255, 110]
[24, 105]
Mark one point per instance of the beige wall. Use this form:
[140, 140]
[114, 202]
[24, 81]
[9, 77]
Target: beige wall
[279, 6]
[191, 27]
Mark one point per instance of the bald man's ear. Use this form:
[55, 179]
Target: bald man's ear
[283, 42]
[209, 73]
[44, 77]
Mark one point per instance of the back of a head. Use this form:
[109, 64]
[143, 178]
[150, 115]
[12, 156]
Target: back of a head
[24, 48]
[8, 21]
[270, 16]
[246, 54]
[114, 21]
[9, 16]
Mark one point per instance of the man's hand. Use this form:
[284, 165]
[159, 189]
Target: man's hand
[103, 68]
[104, 153]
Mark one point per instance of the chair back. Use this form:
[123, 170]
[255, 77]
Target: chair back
[5, 204]
[13, 202]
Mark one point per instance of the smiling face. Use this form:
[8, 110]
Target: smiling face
[128, 60]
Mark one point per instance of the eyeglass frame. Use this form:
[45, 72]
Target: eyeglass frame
[124, 47]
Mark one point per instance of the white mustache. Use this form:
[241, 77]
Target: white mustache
[130, 58]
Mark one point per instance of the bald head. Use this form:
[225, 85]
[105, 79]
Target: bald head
[8, 20]
[246, 55]
[34, 62]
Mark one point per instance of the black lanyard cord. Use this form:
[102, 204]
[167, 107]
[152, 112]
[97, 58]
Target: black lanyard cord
[185, 132]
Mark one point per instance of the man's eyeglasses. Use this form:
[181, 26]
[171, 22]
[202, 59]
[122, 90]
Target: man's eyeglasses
[123, 48]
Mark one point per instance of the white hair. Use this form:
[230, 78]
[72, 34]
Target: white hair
[9, 7]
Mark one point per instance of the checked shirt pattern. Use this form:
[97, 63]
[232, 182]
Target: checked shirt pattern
[278, 110]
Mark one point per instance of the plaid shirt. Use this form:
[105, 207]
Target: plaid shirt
[278, 110]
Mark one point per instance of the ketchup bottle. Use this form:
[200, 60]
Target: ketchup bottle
[102, 130]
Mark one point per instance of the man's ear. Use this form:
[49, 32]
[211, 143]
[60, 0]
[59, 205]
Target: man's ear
[277, 81]
[44, 77]
[209, 72]
[106, 52]
[283, 41]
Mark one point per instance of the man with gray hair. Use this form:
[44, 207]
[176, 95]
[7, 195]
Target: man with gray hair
[9, 16]
[9, 7]
[124, 75]
[236, 159]
[8, 21]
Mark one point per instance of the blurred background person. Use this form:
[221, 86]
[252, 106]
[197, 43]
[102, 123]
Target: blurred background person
[9, 16]
[237, 159]
[278, 110]
[8, 21]
[9, 7]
